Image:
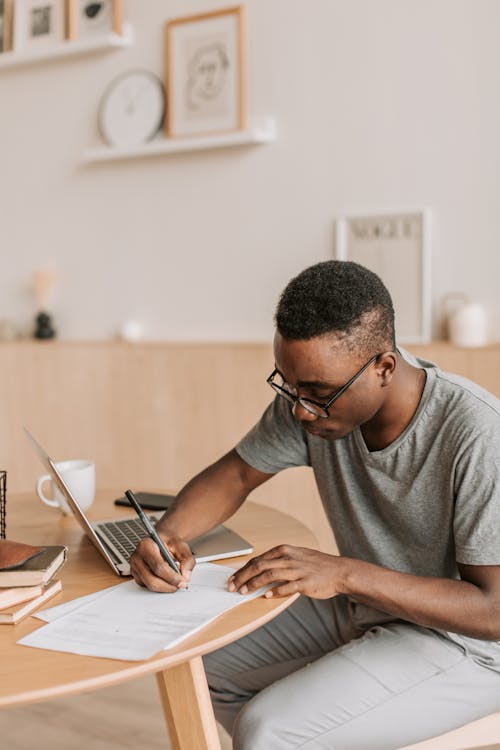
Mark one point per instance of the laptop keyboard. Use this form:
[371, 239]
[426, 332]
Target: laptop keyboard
[126, 534]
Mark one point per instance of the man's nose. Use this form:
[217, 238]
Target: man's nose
[303, 414]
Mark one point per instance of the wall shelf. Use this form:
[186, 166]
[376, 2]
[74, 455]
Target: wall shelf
[69, 48]
[259, 132]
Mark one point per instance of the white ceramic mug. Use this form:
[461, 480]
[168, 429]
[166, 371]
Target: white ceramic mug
[79, 475]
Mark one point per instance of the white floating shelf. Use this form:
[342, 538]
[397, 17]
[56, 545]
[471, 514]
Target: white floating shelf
[259, 132]
[69, 48]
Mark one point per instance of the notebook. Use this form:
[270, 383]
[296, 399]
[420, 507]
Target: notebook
[11, 597]
[116, 539]
[13, 615]
[37, 570]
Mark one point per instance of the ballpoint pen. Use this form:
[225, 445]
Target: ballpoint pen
[151, 531]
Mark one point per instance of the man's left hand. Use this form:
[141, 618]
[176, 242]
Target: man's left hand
[290, 570]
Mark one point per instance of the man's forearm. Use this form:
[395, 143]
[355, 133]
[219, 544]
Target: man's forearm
[210, 497]
[454, 605]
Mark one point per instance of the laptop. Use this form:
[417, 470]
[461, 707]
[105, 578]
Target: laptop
[116, 539]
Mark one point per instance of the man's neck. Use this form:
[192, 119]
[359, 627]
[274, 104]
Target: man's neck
[398, 409]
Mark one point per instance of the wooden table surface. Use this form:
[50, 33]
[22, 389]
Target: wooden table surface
[31, 674]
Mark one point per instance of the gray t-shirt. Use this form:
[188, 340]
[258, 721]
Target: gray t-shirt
[425, 502]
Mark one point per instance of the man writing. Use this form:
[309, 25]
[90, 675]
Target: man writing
[395, 639]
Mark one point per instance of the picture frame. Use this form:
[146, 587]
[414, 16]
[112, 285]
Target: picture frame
[205, 61]
[5, 25]
[396, 246]
[38, 24]
[88, 19]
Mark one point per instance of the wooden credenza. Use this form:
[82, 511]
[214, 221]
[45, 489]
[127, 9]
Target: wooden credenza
[153, 414]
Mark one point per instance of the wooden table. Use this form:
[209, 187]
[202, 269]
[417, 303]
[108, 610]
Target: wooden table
[30, 675]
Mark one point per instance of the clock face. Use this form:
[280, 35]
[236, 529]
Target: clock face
[132, 109]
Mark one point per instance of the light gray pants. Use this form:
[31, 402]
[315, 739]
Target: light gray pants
[337, 675]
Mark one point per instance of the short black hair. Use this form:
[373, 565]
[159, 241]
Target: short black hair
[342, 298]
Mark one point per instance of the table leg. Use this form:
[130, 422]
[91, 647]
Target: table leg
[187, 706]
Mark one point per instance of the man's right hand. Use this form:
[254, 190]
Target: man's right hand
[207, 500]
[149, 568]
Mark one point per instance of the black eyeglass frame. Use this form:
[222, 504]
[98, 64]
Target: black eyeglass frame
[325, 406]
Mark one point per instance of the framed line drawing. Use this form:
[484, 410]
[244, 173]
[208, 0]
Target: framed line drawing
[88, 19]
[396, 246]
[38, 24]
[206, 73]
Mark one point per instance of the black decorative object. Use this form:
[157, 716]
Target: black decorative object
[44, 327]
[43, 283]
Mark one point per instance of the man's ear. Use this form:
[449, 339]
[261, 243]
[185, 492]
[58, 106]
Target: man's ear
[385, 366]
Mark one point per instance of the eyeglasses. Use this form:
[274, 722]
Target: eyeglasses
[319, 409]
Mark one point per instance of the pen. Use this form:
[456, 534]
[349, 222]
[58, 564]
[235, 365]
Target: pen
[151, 531]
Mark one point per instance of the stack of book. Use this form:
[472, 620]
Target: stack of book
[27, 578]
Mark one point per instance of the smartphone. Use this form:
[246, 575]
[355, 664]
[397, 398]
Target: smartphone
[149, 500]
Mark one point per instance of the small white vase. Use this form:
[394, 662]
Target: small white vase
[131, 330]
[468, 325]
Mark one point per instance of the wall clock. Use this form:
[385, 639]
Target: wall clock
[132, 109]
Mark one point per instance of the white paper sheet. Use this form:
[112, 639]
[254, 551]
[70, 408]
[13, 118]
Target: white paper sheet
[53, 613]
[132, 623]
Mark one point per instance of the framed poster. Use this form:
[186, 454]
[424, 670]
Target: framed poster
[206, 73]
[88, 19]
[396, 246]
[38, 23]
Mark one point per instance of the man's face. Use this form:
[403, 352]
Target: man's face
[317, 368]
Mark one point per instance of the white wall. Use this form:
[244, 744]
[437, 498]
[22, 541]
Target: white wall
[380, 104]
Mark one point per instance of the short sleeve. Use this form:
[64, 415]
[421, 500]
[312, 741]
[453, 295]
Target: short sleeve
[477, 498]
[276, 442]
